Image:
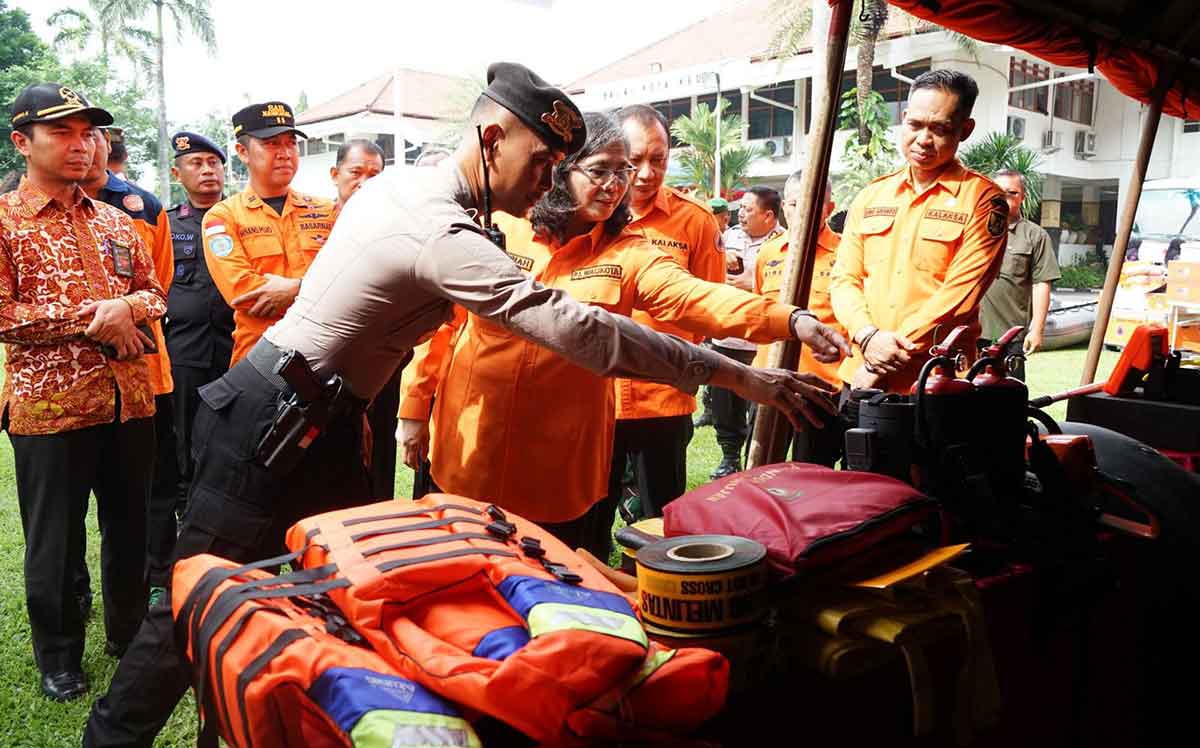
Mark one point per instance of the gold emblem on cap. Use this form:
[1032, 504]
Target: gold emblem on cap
[69, 96]
[563, 121]
[276, 110]
[182, 144]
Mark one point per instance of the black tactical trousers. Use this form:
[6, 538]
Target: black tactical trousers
[238, 510]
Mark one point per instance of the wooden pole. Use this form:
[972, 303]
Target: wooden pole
[1125, 225]
[772, 432]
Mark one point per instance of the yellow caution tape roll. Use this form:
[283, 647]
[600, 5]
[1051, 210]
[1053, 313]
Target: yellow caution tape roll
[702, 584]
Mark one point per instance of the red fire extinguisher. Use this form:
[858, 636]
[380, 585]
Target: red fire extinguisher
[943, 415]
[1000, 404]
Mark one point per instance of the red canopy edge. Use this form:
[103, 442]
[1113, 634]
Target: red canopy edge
[1131, 71]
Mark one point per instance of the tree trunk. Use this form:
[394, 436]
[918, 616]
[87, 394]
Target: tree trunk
[164, 184]
[864, 78]
[820, 42]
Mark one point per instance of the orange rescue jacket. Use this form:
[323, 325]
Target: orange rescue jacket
[768, 280]
[686, 230]
[275, 665]
[244, 239]
[493, 613]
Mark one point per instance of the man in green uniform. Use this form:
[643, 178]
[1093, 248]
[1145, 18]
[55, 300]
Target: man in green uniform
[1020, 295]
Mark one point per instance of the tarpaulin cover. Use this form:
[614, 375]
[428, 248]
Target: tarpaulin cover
[1132, 71]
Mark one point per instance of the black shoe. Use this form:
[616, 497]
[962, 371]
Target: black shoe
[727, 467]
[85, 605]
[115, 649]
[64, 685]
[705, 419]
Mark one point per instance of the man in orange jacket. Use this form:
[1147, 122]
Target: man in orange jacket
[259, 242]
[150, 220]
[654, 421]
[921, 245]
[812, 445]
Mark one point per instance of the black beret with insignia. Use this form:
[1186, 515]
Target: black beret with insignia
[185, 142]
[265, 120]
[42, 102]
[543, 108]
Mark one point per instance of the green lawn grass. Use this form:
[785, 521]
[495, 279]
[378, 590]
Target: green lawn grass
[27, 720]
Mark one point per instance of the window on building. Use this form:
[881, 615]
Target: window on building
[767, 120]
[1191, 125]
[733, 102]
[1021, 72]
[673, 110]
[315, 146]
[387, 143]
[894, 90]
[1073, 100]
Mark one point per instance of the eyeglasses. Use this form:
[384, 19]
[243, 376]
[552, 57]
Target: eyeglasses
[603, 176]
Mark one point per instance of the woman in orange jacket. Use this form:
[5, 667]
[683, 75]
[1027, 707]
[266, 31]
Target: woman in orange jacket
[520, 426]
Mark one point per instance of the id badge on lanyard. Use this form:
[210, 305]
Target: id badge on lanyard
[122, 257]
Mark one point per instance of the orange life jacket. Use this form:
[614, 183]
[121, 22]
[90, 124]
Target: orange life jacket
[276, 666]
[493, 613]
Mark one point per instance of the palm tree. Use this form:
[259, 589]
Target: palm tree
[105, 24]
[190, 15]
[1000, 151]
[699, 133]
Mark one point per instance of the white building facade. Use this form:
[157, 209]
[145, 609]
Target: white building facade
[1086, 131]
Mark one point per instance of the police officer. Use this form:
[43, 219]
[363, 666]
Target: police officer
[199, 325]
[405, 251]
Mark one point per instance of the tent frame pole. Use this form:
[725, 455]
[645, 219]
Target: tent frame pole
[772, 431]
[1125, 225]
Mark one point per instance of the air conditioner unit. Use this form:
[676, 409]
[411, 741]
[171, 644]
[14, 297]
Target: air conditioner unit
[1051, 140]
[778, 147]
[1085, 143]
[1016, 127]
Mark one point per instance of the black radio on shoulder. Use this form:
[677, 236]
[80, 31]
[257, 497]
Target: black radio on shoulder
[495, 235]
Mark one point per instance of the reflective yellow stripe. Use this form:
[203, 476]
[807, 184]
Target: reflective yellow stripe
[393, 728]
[653, 662]
[547, 617]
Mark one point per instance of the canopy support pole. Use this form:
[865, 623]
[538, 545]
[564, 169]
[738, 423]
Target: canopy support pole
[772, 431]
[1125, 225]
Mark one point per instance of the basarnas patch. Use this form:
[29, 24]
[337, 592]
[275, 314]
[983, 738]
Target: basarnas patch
[220, 245]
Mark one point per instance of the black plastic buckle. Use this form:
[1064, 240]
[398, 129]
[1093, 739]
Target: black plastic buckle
[501, 529]
[561, 572]
[496, 513]
[532, 547]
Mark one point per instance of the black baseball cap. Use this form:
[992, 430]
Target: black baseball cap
[42, 102]
[265, 120]
[184, 142]
[543, 108]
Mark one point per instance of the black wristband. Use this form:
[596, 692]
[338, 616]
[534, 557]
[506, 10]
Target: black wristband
[798, 313]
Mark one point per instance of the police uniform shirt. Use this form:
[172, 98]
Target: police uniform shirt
[199, 322]
[1028, 259]
[405, 250]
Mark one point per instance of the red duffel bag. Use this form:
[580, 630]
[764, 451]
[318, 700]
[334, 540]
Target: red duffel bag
[808, 516]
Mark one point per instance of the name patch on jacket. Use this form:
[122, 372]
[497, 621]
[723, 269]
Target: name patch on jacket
[596, 271]
[669, 244]
[316, 226]
[251, 230]
[946, 215]
[888, 211]
[525, 263]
